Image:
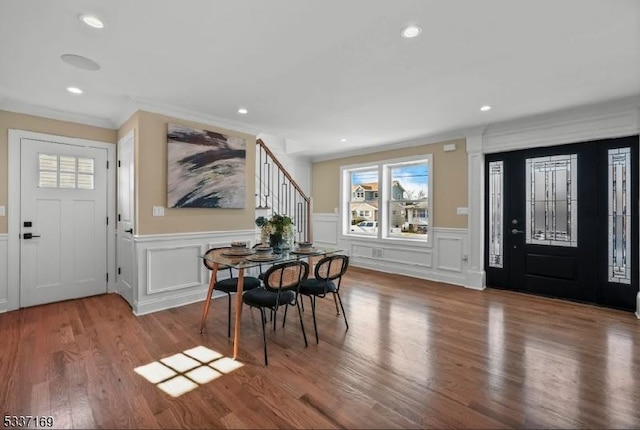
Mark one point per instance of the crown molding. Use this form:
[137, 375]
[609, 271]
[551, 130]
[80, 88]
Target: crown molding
[136, 104]
[17, 106]
[582, 124]
[578, 113]
[416, 141]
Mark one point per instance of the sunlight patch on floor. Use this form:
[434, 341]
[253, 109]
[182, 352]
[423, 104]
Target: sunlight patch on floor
[183, 372]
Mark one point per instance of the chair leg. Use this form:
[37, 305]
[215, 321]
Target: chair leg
[284, 320]
[229, 316]
[264, 335]
[313, 312]
[343, 314]
[274, 312]
[304, 334]
[336, 303]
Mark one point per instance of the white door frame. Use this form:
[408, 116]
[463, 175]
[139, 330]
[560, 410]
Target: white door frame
[604, 121]
[13, 213]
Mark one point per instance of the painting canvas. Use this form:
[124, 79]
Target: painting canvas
[205, 169]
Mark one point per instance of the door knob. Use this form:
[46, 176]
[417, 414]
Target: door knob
[29, 236]
[129, 231]
[516, 231]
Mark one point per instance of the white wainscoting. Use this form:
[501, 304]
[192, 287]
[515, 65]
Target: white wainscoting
[325, 229]
[170, 271]
[4, 278]
[445, 261]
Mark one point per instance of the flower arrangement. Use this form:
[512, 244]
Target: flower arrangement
[276, 228]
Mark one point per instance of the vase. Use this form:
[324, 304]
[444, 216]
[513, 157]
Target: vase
[264, 236]
[275, 241]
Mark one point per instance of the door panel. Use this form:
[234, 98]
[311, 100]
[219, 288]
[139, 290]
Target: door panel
[554, 221]
[63, 250]
[126, 215]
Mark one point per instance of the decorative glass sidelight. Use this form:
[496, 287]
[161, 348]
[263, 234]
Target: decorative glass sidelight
[619, 202]
[496, 225]
[552, 200]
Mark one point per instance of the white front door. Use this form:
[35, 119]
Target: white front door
[126, 269]
[63, 222]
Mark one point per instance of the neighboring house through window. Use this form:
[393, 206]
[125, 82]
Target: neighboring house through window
[396, 194]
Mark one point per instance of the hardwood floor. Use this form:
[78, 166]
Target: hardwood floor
[418, 354]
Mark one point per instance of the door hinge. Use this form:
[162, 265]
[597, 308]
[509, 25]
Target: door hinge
[119, 270]
[118, 217]
[107, 220]
[107, 164]
[118, 163]
[107, 277]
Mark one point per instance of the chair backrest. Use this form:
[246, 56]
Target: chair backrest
[332, 267]
[209, 264]
[285, 276]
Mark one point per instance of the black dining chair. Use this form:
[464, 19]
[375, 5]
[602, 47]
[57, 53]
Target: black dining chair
[281, 283]
[328, 276]
[229, 285]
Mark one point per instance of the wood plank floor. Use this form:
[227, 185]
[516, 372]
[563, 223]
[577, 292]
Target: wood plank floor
[418, 354]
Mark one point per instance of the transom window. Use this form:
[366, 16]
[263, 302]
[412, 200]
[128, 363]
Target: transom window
[395, 194]
[65, 172]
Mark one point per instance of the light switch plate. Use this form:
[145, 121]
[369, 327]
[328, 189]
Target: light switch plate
[158, 211]
[463, 211]
[2, 211]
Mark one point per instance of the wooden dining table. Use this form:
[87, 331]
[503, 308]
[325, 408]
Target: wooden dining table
[224, 257]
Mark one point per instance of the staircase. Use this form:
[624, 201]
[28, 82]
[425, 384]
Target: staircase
[278, 193]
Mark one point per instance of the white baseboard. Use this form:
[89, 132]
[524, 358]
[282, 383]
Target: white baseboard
[169, 301]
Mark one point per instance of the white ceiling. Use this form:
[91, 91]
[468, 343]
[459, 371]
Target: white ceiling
[315, 72]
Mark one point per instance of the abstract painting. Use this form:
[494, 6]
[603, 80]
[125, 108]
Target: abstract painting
[205, 169]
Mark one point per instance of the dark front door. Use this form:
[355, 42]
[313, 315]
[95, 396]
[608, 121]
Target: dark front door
[562, 221]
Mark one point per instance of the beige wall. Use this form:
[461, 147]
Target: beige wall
[449, 173]
[151, 183]
[17, 121]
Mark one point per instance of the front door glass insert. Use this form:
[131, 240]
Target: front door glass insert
[552, 200]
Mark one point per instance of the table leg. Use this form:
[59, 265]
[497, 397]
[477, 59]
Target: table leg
[207, 300]
[237, 327]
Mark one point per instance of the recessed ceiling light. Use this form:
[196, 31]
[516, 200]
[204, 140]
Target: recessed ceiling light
[343, 140]
[243, 111]
[80, 62]
[91, 21]
[411, 31]
[485, 108]
[74, 90]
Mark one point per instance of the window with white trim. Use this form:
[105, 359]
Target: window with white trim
[362, 205]
[64, 171]
[397, 195]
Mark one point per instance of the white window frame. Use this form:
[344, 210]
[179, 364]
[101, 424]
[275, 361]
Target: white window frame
[384, 194]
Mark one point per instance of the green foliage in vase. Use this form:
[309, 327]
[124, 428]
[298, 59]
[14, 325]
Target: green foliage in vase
[277, 223]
